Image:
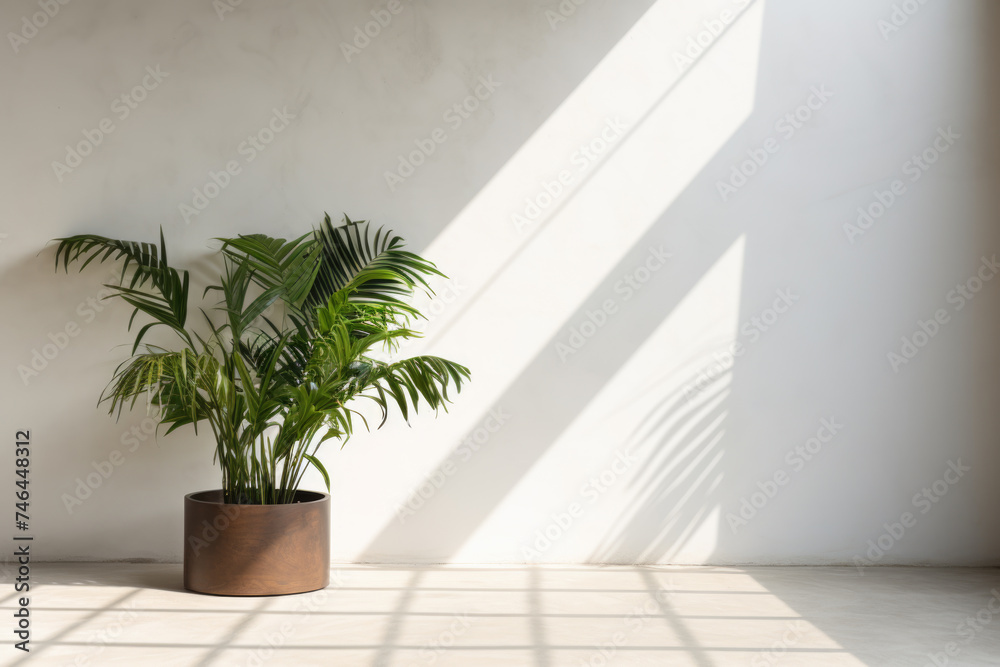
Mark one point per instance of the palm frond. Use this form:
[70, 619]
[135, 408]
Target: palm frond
[290, 265]
[409, 380]
[372, 267]
[155, 288]
[273, 391]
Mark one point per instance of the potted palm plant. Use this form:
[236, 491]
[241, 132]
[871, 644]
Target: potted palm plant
[272, 389]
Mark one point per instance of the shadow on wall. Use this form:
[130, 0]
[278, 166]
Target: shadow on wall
[818, 306]
[823, 433]
[533, 48]
[939, 392]
[782, 456]
[193, 43]
[446, 521]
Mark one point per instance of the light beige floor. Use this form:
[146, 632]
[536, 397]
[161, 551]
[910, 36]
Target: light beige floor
[90, 615]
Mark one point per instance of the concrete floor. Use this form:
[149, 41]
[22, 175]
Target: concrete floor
[127, 614]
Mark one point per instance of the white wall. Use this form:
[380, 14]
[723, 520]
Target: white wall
[573, 397]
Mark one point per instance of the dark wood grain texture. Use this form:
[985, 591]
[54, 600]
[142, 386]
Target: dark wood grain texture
[256, 549]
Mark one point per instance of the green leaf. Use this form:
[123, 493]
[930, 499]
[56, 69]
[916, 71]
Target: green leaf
[319, 466]
[343, 292]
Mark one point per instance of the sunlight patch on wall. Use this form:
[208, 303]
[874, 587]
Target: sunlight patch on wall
[658, 129]
[652, 443]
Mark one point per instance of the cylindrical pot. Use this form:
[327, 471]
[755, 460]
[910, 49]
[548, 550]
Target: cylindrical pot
[256, 549]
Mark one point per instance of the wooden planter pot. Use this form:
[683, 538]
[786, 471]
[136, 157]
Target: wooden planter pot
[256, 549]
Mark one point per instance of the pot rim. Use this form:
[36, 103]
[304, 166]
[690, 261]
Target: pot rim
[318, 497]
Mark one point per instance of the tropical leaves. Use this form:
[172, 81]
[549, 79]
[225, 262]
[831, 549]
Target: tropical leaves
[274, 392]
[166, 299]
[409, 380]
[373, 270]
[277, 263]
